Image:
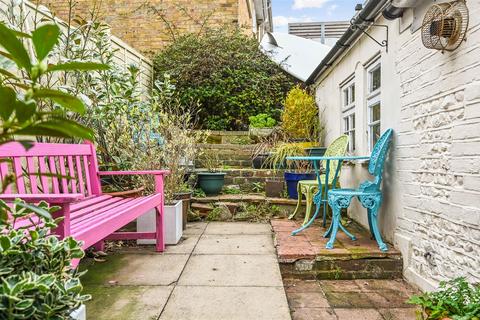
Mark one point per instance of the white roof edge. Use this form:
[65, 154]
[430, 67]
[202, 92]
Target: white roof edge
[297, 56]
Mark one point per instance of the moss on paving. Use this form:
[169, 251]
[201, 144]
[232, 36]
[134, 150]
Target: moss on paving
[100, 272]
[118, 302]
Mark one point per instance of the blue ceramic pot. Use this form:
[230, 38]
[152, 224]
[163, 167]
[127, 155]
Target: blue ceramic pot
[292, 179]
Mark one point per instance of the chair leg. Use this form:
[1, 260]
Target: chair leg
[351, 236]
[335, 224]
[337, 202]
[299, 202]
[376, 232]
[160, 229]
[369, 214]
[308, 205]
[372, 203]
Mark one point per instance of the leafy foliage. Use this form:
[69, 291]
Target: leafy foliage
[23, 95]
[262, 120]
[37, 280]
[224, 70]
[300, 117]
[278, 158]
[456, 299]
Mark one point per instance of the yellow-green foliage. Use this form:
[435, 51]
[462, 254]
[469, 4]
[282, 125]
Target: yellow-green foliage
[300, 115]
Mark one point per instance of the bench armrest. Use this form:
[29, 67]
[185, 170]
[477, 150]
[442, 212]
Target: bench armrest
[50, 198]
[129, 173]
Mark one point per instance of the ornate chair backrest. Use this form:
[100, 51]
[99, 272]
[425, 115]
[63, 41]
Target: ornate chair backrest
[378, 156]
[337, 148]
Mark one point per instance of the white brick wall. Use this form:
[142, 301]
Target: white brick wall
[432, 101]
[440, 101]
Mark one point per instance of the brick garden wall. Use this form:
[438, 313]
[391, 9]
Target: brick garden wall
[150, 25]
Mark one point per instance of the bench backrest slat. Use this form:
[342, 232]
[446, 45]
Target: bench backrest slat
[50, 168]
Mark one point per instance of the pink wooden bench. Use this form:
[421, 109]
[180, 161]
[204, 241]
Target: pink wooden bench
[67, 175]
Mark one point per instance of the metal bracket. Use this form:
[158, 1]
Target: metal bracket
[383, 43]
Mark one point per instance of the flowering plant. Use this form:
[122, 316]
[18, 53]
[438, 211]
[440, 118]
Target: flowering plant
[456, 299]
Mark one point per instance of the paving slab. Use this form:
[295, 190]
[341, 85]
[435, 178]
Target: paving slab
[227, 228]
[313, 314]
[137, 269]
[398, 313]
[195, 228]
[232, 303]
[235, 244]
[126, 302]
[358, 314]
[232, 270]
[185, 245]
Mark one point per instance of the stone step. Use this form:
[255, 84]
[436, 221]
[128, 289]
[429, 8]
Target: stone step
[304, 256]
[246, 178]
[204, 205]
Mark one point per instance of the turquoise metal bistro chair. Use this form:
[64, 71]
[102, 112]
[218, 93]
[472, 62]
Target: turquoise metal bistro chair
[368, 194]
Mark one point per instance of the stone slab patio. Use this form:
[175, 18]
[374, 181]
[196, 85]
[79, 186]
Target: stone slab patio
[219, 271]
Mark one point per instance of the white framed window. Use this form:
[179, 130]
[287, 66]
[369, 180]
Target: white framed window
[348, 112]
[374, 86]
[349, 129]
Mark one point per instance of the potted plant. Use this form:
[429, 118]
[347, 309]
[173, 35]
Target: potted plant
[176, 151]
[263, 149]
[455, 299]
[211, 181]
[261, 125]
[295, 170]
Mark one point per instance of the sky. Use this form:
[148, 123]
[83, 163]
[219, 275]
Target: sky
[285, 11]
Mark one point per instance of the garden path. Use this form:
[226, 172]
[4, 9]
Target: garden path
[219, 271]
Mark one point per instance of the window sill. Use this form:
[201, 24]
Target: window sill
[350, 163]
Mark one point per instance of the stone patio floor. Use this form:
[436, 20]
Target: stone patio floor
[228, 271]
[219, 271]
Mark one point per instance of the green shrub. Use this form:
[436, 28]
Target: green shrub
[300, 116]
[456, 299]
[37, 280]
[228, 75]
[262, 120]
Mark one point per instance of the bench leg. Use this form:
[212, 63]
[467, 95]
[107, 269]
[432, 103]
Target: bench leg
[99, 246]
[160, 229]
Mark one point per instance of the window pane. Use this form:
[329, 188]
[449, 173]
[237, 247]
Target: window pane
[375, 133]
[346, 124]
[375, 112]
[375, 80]
[345, 97]
[353, 121]
[352, 140]
[352, 93]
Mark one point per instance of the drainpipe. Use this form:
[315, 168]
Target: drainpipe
[392, 12]
[365, 17]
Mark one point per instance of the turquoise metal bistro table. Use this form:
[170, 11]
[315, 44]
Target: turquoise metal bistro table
[321, 197]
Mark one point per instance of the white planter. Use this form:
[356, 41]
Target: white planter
[173, 224]
[80, 313]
